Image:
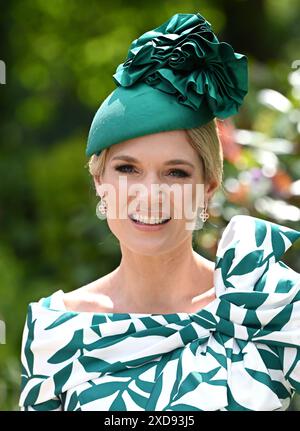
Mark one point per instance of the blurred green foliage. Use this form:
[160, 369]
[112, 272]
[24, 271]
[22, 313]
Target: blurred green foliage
[60, 57]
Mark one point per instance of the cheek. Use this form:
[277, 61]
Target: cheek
[185, 201]
[124, 196]
[115, 199]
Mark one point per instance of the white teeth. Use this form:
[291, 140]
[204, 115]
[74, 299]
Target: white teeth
[147, 220]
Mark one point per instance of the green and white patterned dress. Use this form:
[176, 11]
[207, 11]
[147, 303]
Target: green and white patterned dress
[240, 352]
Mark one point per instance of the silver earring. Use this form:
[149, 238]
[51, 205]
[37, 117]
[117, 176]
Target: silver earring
[204, 214]
[101, 210]
[103, 206]
[201, 218]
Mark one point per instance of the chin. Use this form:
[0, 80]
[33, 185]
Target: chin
[149, 247]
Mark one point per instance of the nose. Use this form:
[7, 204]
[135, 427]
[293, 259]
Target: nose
[150, 198]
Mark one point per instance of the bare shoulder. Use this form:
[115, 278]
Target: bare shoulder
[93, 297]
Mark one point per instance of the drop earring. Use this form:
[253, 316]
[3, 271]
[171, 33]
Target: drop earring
[204, 214]
[101, 210]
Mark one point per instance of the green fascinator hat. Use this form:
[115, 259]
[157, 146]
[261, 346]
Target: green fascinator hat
[176, 76]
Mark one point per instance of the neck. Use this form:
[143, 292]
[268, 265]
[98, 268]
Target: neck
[167, 281]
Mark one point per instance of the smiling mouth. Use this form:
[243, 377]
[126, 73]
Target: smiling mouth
[147, 221]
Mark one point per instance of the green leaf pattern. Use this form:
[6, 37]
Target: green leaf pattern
[240, 352]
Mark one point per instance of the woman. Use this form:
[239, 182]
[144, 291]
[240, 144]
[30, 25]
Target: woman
[168, 329]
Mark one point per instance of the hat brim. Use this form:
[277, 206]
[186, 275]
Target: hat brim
[129, 112]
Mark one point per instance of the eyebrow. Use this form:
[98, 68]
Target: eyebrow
[169, 162]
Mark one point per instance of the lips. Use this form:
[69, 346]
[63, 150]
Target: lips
[151, 224]
[150, 216]
[164, 219]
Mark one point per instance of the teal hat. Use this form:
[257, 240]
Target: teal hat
[176, 76]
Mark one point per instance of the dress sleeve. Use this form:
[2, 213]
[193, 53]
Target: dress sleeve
[266, 291]
[34, 373]
[51, 405]
[291, 367]
[291, 352]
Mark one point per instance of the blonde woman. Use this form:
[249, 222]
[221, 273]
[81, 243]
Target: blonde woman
[169, 329]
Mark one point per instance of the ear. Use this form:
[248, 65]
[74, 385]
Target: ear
[210, 188]
[97, 183]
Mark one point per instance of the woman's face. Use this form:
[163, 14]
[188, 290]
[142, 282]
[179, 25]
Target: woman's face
[153, 176]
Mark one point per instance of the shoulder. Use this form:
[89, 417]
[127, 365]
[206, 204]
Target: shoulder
[51, 321]
[96, 296]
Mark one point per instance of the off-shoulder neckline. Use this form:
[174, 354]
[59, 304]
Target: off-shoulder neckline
[264, 231]
[56, 303]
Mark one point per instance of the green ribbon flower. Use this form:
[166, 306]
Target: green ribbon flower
[185, 58]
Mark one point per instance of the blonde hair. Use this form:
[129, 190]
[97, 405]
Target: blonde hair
[204, 139]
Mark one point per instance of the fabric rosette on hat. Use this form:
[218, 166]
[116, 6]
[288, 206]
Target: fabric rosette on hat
[184, 57]
[176, 76]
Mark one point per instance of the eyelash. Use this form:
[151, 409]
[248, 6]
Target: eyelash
[182, 175]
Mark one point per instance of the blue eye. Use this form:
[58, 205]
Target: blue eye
[180, 172]
[121, 168]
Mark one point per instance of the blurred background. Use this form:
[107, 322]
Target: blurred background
[60, 56]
